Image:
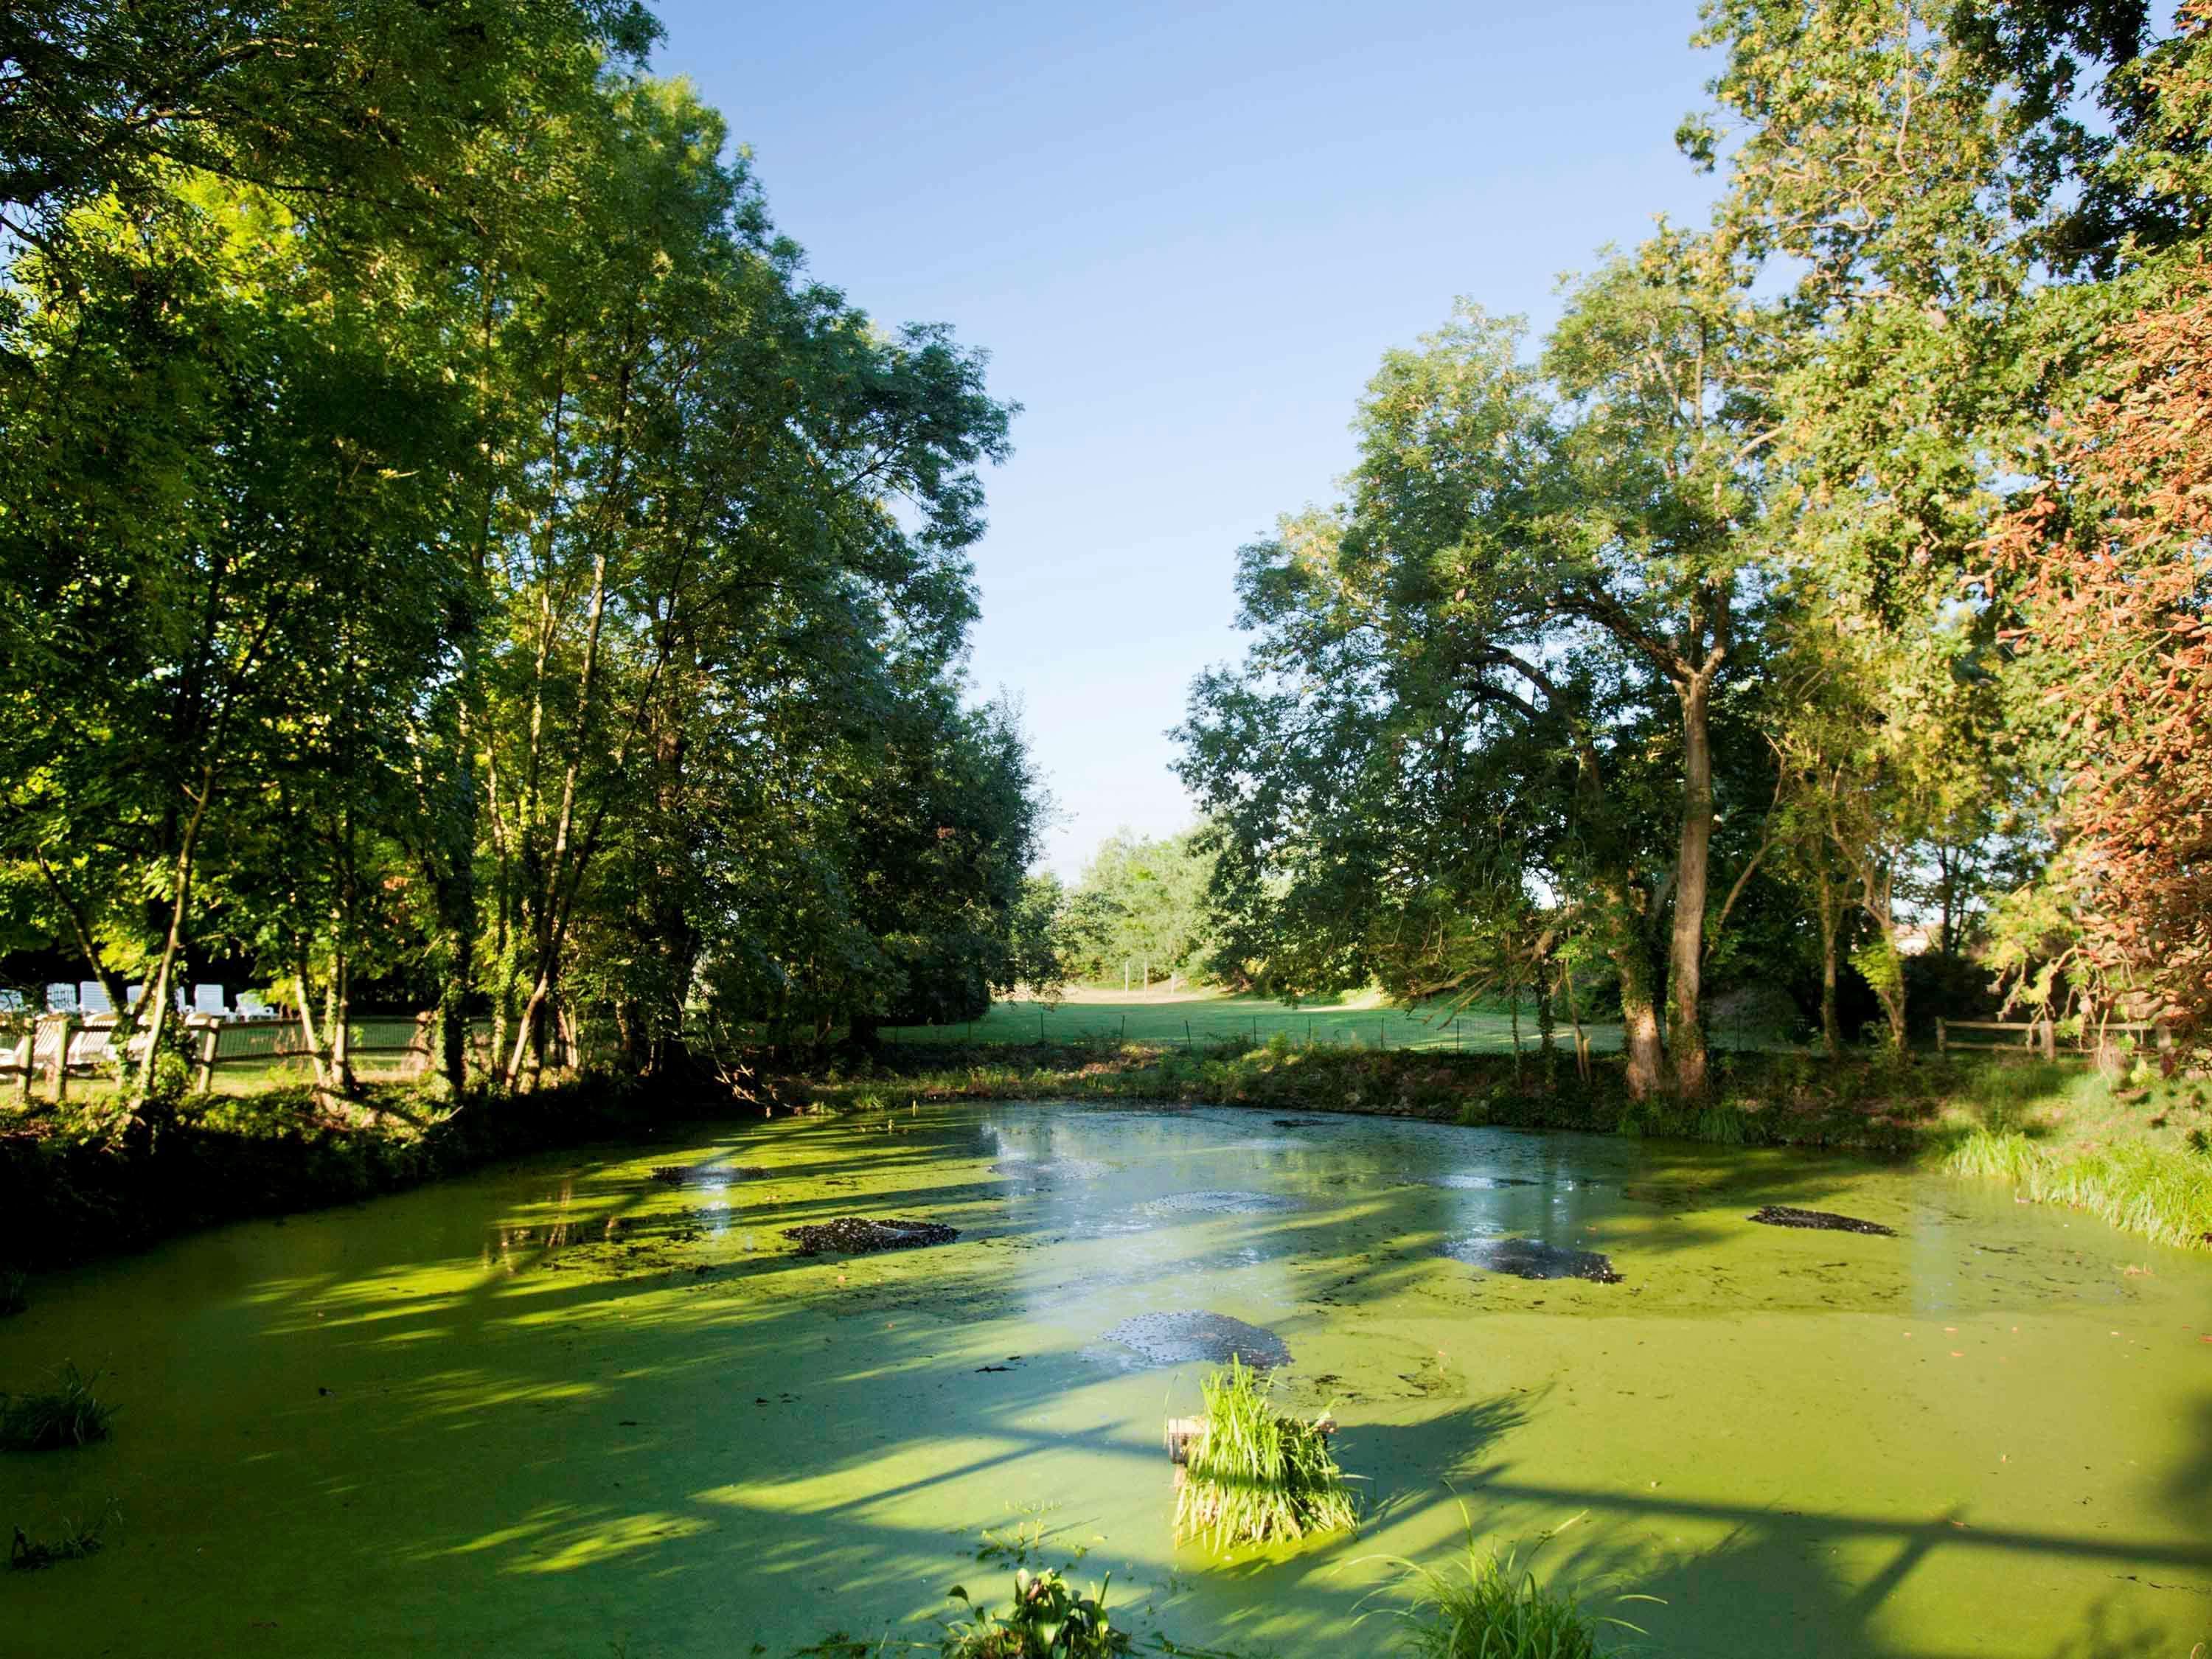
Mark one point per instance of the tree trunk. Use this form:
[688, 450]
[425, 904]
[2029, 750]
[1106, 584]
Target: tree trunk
[158, 992]
[453, 1006]
[1830, 927]
[1685, 1034]
[1889, 982]
[1639, 1016]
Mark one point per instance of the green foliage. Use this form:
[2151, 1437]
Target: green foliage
[68, 1414]
[452, 550]
[1256, 1476]
[1047, 1619]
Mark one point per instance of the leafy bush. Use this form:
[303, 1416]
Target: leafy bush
[1256, 1476]
[1046, 1620]
[70, 1415]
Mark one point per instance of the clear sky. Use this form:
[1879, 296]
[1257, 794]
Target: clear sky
[1185, 234]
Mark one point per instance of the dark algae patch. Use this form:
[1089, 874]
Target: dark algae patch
[852, 1235]
[1528, 1258]
[706, 1175]
[1784, 1215]
[1184, 1339]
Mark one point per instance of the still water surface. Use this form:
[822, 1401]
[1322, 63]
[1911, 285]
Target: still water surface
[575, 1407]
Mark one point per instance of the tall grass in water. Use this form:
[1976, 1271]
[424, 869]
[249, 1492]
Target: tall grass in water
[70, 1415]
[2161, 1192]
[1488, 1606]
[1256, 1476]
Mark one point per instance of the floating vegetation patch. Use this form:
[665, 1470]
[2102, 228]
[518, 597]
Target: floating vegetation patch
[706, 1175]
[1254, 1476]
[852, 1235]
[1219, 1203]
[1529, 1258]
[70, 1414]
[1184, 1339]
[1784, 1215]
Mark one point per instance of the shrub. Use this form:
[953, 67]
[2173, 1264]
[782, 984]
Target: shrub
[70, 1415]
[1256, 1476]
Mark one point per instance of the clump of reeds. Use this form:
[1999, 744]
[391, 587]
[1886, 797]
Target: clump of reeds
[1488, 1606]
[15, 1291]
[1256, 1476]
[69, 1414]
[73, 1541]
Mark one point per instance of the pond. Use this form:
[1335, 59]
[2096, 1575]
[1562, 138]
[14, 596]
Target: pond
[599, 1404]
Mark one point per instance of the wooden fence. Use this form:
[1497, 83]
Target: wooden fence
[59, 1047]
[2040, 1037]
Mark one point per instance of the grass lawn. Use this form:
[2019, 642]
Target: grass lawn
[1204, 1017]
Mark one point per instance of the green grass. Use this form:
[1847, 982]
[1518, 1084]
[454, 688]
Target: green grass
[68, 1415]
[1202, 1020]
[2162, 1193]
[1256, 1476]
[1488, 1606]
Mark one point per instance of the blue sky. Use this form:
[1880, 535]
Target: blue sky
[1186, 234]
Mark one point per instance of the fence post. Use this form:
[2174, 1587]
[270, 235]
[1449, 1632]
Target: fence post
[1455, 1036]
[1382, 1031]
[68, 1024]
[1939, 1034]
[26, 1051]
[1188, 1046]
[2049, 1037]
[210, 1032]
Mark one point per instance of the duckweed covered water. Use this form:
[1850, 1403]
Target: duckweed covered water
[576, 1408]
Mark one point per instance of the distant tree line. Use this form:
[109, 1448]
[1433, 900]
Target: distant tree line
[451, 550]
[1823, 592]
[1139, 914]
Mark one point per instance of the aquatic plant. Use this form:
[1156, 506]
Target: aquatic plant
[1047, 1619]
[75, 1540]
[15, 1291]
[1256, 1476]
[2164, 1193]
[1488, 1606]
[68, 1415]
